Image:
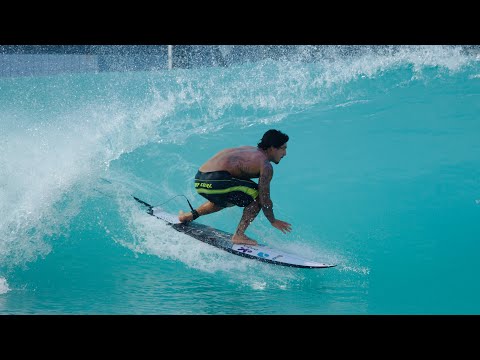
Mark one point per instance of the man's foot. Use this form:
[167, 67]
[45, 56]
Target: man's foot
[185, 217]
[243, 239]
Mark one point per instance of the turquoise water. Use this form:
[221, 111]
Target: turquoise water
[382, 177]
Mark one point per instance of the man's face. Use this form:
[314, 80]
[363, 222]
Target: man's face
[278, 154]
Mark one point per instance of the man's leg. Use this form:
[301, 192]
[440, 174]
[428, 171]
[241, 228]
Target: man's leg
[204, 209]
[249, 214]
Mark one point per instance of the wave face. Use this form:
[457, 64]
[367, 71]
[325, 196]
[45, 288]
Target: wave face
[381, 177]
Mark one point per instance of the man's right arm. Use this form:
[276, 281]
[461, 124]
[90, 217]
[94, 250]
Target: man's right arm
[266, 174]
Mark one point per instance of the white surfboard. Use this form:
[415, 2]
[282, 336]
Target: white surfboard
[222, 240]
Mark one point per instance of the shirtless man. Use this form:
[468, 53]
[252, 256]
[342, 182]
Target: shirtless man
[224, 180]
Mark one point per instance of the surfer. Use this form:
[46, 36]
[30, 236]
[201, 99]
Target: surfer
[225, 181]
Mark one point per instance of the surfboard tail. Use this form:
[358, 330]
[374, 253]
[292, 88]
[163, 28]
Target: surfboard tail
[149, 207]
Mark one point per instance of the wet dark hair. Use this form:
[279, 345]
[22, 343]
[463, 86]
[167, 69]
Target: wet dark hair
[273, 138]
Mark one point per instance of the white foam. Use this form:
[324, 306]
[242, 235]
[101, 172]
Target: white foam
[3, 286]
[148, 235]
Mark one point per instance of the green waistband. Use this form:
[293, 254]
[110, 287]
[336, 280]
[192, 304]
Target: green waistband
[249, 191]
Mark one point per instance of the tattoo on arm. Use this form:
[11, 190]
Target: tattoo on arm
[266, 175]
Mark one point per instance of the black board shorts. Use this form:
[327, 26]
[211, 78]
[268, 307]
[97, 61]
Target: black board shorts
[221, 188]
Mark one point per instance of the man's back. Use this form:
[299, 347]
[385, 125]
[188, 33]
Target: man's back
[242, 162]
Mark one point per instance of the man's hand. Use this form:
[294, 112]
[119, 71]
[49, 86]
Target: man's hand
[282, 226]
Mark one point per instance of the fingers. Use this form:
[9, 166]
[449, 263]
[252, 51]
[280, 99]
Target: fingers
[284, 227]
